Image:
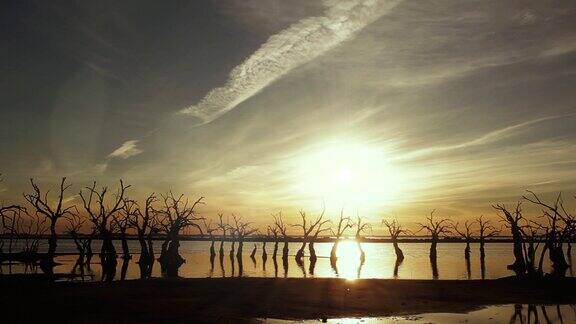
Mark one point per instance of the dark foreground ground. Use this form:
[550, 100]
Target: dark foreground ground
[241, 299]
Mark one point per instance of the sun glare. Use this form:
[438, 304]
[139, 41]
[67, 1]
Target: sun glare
[349, 252]
[349, 174]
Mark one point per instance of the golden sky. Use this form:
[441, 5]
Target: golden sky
[383, 108]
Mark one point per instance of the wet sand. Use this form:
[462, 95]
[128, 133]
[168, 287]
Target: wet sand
[242, 299]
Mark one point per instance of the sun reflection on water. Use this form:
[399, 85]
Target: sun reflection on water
[349, 259]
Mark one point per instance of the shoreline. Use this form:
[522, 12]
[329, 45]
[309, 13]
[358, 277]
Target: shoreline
[233, 299]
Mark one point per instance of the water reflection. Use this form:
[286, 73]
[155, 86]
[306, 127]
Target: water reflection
[513, 314]
[380, 261]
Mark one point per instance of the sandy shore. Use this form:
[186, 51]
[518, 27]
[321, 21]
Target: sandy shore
[241, 299]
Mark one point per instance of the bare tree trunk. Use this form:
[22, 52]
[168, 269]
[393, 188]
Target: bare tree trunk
[398, 251]
[151, 249]
[433, 252]
[559, 264]
[52, 241]
[222, 247]
[313, 256]
[519, 264]
[173, 260]
[212, 252]
[334, 250]
[144, 256]
[300, 252]
[239, 250]
[285, 250]
[467, 251]
[275, 250]
[125, 248]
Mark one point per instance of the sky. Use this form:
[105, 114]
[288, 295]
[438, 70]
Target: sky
[385, 108]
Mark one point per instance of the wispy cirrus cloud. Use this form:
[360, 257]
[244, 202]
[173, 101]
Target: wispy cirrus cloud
[488, 138]
[288, 49]
[126, 150]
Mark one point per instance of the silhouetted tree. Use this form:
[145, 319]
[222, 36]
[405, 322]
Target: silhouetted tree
[73, 228]
[320, 228]
[466, 234]
[343, 224]
[559, 229]
[101, 215]
[395, 230]
[361, 228]
[122, 222]
[175, 215]
[273, 232]
[532, 239]
[512, 220]
[145, 223]
[40, 202]
[264, 253]
[223, 227]
[435, 228]
[253, 253]
[29, 230]
[307, 229]
[485, 230]
[241, 231]
[209, 229]
[8, 217]
[282, 228]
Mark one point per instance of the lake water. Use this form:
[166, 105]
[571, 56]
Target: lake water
[521, 314]
[379, 262]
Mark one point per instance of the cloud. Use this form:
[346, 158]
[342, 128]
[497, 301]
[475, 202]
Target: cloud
[482, 140]
[126, 150]
[290, 48]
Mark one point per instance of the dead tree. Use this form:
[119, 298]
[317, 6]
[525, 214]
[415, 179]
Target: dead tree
[395, 230]
[144, 223]
[241, 231]
[512, 220]
[222, 227]
[8, 215]
[10, 220]
[343, 224]
[40, 202]
[559, 229]
[29, 230]
[532, 240]
[253, 253]
[209, 229]
[320, 228]
[122, 222]
[73, 228]
[307, 229]
[485, 230]
[282, 229]
[361, 228]
[264, 253]
[101, 215]
[177, 214]
[436, 229]
[273, 232]
[466, 234]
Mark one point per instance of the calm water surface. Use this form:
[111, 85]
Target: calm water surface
[379, 262]
[521, 314]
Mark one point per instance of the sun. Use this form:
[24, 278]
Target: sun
[344, 173]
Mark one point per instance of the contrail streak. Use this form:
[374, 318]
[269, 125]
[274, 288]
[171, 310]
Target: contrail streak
[288, 49]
